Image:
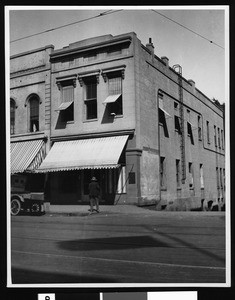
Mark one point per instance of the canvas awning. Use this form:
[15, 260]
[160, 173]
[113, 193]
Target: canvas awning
[95, 153]
[64, 105]
[111, 98]
[161, 107]
[165, 112]
[26, 155]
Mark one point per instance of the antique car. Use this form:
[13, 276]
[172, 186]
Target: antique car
[23, 200]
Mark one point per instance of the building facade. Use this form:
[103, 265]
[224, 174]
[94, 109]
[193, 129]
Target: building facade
[109, 107]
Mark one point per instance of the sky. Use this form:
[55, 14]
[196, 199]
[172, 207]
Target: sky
[201, 60]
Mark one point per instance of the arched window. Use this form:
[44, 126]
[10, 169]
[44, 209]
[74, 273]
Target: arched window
[12, 115]
[33, 114]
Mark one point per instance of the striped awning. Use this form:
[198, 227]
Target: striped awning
[96, 153]
[26, 155]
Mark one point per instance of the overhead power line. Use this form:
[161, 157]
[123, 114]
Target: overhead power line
[108, 12]
[187, 28]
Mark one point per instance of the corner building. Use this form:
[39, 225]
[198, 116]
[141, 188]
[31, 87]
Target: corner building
[122, 114]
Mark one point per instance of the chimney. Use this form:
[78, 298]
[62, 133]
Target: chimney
[192, 82]
[165, 60]
[150, 46]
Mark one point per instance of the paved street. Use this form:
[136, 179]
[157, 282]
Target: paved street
[141, 246]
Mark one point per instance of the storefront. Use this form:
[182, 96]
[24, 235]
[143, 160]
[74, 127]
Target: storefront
[71, 164]
[26, 156]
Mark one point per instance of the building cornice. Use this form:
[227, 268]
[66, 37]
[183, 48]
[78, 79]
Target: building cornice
[70, 51]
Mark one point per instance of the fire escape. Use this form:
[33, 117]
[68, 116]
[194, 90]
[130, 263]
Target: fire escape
[181, 114]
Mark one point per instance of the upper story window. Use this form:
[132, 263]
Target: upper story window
[218, 137]
[222, 139]
[215, 136]
[12, 115]
[33, 114]
[190, 132]
[66, 107]
[89, 83]
[90, 98]
[114, 101]
[208, 131]
[177, 124]
[162, 114]
[199, 121]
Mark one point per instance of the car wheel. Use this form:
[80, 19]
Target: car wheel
[35, 208]
[15, 207]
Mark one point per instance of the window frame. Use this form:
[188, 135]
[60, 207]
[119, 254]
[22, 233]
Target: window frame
[177, 125]
[178, 173]
[64, 83]
[218, 134]
[201, 172]
[200, 133]
[191, 175]
[215, 136]
[90, 82]
[208, 132]
[162, 173]
[12, 113]
[114, 109]
[34, 120]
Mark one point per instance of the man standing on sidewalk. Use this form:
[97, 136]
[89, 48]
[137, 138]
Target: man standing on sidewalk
[94, 194]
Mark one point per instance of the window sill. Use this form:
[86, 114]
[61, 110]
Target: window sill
[179, 188]
[90, 120]
[163, 189]
[116, 117]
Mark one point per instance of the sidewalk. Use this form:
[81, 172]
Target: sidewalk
[121, 209]
[76, 209]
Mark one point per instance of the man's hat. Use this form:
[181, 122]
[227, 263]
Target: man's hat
[93, 179]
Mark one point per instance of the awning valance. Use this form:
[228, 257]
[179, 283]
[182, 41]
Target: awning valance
[111, 98]
[26, 155]
[96, 153]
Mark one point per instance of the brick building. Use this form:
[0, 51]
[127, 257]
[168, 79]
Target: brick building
[111, 108]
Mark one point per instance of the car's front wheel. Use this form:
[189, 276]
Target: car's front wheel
[15, 206]
[35, 208]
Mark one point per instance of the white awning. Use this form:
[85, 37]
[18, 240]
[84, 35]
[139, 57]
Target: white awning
[111, 98]
[64, 105]
[26, 155]
[96, 153]
[166, 113]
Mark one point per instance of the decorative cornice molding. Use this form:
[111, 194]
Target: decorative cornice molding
[82, 76]
[105, 72]
[61, 79]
